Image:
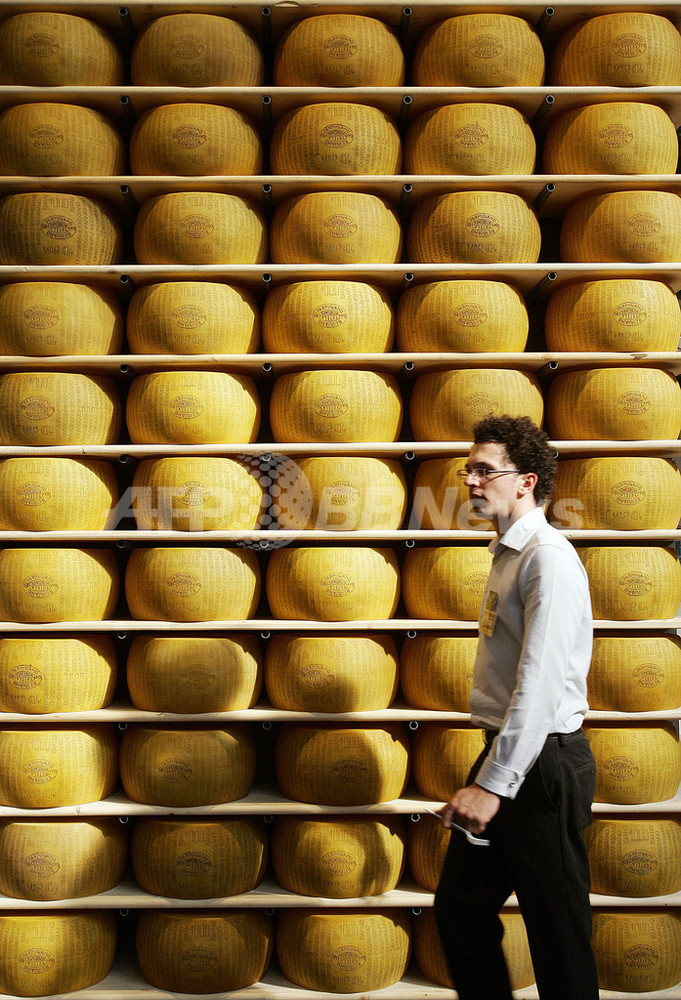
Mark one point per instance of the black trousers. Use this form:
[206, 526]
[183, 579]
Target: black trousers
[536, 850]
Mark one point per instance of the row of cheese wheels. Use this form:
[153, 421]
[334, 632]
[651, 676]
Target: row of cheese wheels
[331, 764]
[340, 138]
[335, 583]
[304, 673]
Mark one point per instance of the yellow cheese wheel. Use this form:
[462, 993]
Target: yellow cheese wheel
[635, 673]
[446, 405]
[612, 138]
[347, 765]
[623, 49]
[440, 498]
[470, 139]
[192, 317]
[192, 407]
[343, 857]
[44, 768]
[55, 953]
[462, 316]
[190, 765]
[637, 951]
[54, 140]
[335, 227]
[613, 314]
[427, 844]
[195, 139]
[343, 951]
[331, 673]
[328, 317]
[619, 404]
[187, 674]
[50, 49]
[61, 858]
[335, 405]
[624, 494]
[436, 671]
[198, 858]
[473, 227]
[336, 139]
[40, 674]
[445, 581]
[333, 584]
[637, 227]
[56, 494]
[199, 227]
[192, 584]
[53, 408]
[57, 585]
[45, 228]
[634, 857]
[629, 582]
[635, 763]
[339, 494]
[203, 951]
[196, 50]
[339, 50]
[441, 757]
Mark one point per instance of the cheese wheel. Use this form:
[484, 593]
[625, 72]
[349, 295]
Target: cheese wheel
[442, 756]
[623, 49]
[334, 584]
[473, 227]
[427, 845]
[199, 227]
[623, 494]
[440, 498]
[436, 671]
[57, 585]
[192, 407]
[446, 405]
[192, 584]
[613, 314]
[445, 581]
[335, 405]
[335, 227]
[338, 50]
[44, 768]
[328, 317]
[55, 953]
[635, 673]
[56, 494]
[629, 582]
[638, 951]
[472, 139]
[343, 857]
[46, 228]
[203, 951]
[55, 140]
[619, 404]
[61, 858]
[198, 858]
[462, 316]
[193, 317]
[190, 765]
[196, 50]
[346, 765]
[187, 674]
[637, 227]
[331, 673]
[339, 494]
[50, 49]
[634, 857]
[40, 674]
[56, 408]
[195, 139]
[336, 139]
[612, 138]
[635, 763]
[346, 951]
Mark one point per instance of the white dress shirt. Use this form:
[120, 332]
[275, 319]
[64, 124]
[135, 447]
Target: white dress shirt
[534, 649]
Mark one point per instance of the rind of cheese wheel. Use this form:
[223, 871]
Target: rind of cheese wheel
[56, 140]
[51, 49]
[629, 582]
[57, 585]
[45, 228]
[633, 226]
[53, 408]
[442, 756]
[637, 950]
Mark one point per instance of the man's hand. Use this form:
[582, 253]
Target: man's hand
[471, 807]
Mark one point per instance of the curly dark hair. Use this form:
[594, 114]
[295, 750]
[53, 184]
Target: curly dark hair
[526, 445]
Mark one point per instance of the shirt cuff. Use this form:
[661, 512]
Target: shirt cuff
[501, 780]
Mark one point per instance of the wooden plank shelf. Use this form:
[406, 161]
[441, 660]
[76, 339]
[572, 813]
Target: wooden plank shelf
[267, 540]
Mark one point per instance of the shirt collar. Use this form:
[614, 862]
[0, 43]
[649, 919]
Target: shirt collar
[518, 535]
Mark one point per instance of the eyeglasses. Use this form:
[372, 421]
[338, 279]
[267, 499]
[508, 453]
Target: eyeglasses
[482, 473]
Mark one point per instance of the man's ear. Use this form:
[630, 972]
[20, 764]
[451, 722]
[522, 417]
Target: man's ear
[528, 481]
